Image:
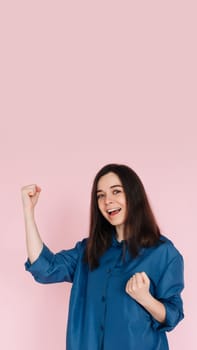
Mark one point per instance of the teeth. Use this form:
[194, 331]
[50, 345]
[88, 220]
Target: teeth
[111, 210]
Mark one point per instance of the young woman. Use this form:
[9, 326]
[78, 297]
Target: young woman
[127, 277]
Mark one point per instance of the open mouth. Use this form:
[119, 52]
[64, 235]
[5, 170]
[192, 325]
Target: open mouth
[113, 212]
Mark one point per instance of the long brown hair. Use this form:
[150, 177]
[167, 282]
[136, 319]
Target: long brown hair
[140, 229]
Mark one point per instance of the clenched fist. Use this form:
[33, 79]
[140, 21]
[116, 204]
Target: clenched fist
[138, 287]
[30, 195]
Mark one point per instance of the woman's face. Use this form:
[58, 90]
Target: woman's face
[111, 199]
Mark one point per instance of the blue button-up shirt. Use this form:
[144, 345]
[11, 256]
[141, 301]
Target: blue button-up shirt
[102, 316]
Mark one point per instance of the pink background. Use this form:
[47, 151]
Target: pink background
[84, 84]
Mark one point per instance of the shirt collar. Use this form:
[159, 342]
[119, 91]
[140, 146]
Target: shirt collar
[115, 242]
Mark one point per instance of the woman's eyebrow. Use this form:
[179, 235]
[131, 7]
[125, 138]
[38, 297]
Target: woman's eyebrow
[116, 186]
[110, 187]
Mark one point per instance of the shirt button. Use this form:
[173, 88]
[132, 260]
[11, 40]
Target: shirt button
[103, 298]
[109, 271]
[102, 328]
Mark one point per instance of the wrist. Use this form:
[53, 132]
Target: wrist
[146, 300]
[29, 213]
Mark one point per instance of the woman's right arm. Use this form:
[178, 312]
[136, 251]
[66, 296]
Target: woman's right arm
[30, 195]
[43, 264]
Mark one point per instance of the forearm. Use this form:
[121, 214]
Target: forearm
[155, 308]
[34, 242]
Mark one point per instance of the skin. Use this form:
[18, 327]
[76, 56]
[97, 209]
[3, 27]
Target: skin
[110, 194]
[30, 195]
[108, 197]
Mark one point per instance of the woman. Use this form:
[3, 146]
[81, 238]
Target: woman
[127, 277]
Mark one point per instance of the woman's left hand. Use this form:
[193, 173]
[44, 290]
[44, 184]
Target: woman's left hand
[138, 287]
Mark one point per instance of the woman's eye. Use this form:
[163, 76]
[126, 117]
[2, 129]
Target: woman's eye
[116, 191]
[100, 196]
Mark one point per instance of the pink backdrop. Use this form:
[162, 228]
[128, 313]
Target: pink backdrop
[84, 84]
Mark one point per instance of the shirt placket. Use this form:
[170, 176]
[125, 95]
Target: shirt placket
[109, 273]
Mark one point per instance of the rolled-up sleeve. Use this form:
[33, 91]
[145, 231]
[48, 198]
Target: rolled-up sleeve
[54, 268]
[169, 291]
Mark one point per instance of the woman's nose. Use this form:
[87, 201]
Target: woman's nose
[108, 199]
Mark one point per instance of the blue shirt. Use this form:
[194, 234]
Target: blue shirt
[102, 316]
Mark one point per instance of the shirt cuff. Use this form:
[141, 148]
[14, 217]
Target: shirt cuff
[42, 263]
[173, 317]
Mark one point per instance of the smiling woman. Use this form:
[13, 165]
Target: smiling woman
[112, 201]
[127, 277]
[117, 188]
